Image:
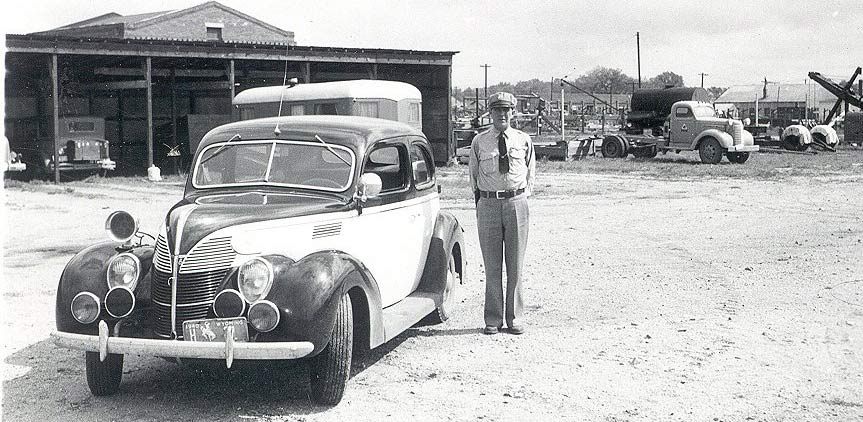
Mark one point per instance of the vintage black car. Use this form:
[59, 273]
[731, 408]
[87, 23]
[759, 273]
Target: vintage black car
[297, 237]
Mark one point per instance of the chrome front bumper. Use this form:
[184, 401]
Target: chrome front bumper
[743, 148]
[227, 350]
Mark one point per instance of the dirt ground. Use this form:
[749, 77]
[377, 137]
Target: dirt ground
[691, 300]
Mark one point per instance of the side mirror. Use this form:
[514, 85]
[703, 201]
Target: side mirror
[369, 187]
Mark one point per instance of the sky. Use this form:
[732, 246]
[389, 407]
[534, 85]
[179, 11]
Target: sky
[733, 43]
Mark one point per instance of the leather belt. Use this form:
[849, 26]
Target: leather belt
[501, 194]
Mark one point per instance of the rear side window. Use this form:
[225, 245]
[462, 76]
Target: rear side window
[326, 109]
[366, 108]
[682, 112]
[422, 166]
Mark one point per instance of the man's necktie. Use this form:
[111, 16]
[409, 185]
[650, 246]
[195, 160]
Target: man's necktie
[503, 157]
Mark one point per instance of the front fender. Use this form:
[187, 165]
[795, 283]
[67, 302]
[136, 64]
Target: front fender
[307, 293]
[724, 138]
[448, 236]
[86, 272]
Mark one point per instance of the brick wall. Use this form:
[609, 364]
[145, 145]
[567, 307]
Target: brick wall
[192, 26]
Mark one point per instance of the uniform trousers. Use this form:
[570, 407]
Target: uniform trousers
[503, 228]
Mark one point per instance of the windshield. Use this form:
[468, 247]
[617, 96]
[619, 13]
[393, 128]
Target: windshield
[703, 111]
[311, 165]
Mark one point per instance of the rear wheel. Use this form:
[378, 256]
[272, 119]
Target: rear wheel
[330, 369]
[103, 378]
[611, 148]
[448, 296]
[710, 151]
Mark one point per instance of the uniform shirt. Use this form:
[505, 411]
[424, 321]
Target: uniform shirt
[483, 163]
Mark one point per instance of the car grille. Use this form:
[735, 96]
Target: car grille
[200, 276]
[737, 132]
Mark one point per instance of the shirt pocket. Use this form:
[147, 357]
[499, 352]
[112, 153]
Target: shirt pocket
[517, 159]
[488, 162]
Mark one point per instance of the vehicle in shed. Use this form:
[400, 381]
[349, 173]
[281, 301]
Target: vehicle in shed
[389, 100]
[83, 148]
[300, 237]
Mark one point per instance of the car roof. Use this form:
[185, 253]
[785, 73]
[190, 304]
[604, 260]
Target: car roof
[354, 132]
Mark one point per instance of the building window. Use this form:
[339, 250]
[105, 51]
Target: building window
[214, 34]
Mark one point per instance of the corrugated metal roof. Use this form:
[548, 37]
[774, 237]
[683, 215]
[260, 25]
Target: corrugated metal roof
[775, 93]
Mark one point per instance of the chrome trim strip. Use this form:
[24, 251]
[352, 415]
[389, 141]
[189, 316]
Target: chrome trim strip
[175, 260]
[183, 305]
[184, 349]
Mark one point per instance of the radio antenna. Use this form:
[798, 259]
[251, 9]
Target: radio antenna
[284, 84]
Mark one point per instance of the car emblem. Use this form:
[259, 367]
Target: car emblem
[683, 127]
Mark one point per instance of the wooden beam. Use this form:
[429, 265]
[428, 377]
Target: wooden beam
[116, 85]
[203, 86]
[182, 73]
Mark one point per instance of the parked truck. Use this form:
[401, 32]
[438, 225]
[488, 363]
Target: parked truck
[82, 148]
[691, 125]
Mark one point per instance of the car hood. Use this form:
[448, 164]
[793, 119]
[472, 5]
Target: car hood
[199, 216]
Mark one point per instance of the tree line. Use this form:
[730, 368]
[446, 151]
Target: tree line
[600, 80]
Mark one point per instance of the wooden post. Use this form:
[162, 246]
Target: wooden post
[55, 117]
[307, 73]
[149, 65]
[373, 71]
[232, 79]
[451, 142]
[174, 142]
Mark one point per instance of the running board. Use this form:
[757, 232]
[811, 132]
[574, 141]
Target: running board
[404, 314]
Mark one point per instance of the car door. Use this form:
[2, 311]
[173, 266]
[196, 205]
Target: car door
[682, 126]
[386, 229]
[427, 204]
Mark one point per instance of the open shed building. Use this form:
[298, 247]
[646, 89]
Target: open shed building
[160, 79]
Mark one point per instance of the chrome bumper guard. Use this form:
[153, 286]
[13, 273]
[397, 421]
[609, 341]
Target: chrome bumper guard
[228, 350]
[743, 148]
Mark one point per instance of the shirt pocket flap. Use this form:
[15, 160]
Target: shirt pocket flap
[517, 152]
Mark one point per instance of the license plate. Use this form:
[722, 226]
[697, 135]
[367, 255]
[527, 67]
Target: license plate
[214, 329]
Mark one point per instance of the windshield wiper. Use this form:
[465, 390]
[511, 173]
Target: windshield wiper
[332, 151]
[221, 148]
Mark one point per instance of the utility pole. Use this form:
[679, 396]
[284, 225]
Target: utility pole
[485, 90]
[702, 78]
[638, 50]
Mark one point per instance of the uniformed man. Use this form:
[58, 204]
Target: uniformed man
[502, 168]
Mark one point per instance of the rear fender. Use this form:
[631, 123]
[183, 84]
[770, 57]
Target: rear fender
[448, 236]
[86, 272]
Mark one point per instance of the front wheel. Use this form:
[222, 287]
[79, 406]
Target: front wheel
[710, 151]
[737, 157]
[330, 369]
[103, 378]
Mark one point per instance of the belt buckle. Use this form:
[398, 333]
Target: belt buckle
[498, 193]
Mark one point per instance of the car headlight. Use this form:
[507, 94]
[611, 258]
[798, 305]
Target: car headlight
[255, 279]
[123, 271]
[121, 226]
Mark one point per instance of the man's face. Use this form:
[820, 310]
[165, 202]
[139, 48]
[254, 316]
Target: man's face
[500, 117]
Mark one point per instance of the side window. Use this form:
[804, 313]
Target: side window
[389, 161]
[298, 110]
[326, 109]
[422, 166]
[415, 113]
[682, 112]
[247, 113]
[366, 109]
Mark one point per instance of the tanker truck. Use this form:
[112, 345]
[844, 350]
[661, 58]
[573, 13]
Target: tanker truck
[688, 125]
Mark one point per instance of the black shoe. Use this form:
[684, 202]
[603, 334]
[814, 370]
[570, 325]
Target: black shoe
[516, 329]
[490, 329]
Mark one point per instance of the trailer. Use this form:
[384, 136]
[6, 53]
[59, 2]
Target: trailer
[650, 108]
[691, 126]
